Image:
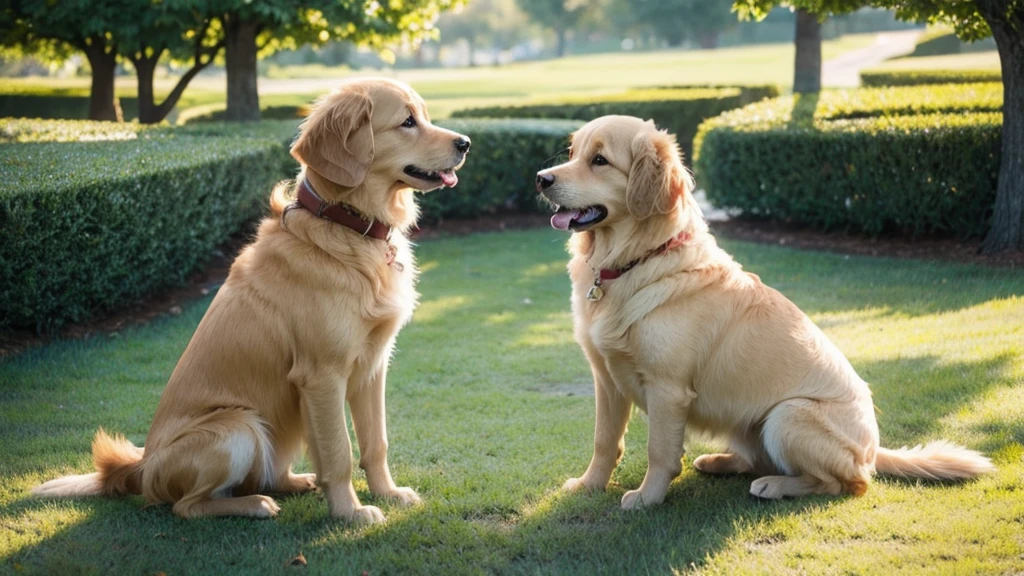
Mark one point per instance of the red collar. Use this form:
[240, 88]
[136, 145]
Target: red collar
[340, 213]
[672, 243]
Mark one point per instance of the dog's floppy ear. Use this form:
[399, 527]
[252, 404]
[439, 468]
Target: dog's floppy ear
[657, 177]
[336, 140]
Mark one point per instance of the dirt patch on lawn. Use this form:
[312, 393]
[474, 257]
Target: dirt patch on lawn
[209, 279]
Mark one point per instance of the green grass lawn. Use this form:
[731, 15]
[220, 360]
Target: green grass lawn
[450, 89]
[490, 410]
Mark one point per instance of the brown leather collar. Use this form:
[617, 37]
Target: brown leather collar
[596, 292]
[340, 213]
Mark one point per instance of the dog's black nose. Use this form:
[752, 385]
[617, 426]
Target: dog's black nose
[544, 181]
[462, 144]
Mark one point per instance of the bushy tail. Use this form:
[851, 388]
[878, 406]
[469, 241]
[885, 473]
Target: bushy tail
[118, 470]
[939, 460]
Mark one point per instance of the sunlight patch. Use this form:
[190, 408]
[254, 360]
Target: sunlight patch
[547, 269]
[546, 334]
[434, 309]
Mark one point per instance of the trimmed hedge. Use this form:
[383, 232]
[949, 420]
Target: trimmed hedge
[87, 226]
[501, 170]
[59, 105]
[942, 41]
[854, 160]
[677, 109]
[919, 77]
[268, 113]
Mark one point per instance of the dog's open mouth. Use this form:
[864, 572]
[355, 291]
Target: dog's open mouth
[444, 177]
[578, 219]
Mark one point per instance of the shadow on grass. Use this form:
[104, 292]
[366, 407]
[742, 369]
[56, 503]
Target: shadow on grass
[912, 395]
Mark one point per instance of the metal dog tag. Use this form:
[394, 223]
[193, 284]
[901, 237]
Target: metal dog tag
[595, 293]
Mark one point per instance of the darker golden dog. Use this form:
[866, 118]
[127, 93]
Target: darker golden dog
[305, 322]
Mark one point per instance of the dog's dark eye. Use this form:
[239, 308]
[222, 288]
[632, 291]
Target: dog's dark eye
[599, 160]
[410, 122]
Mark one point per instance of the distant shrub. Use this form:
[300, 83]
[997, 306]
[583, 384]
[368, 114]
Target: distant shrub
[268, 113]
[677, 109]
[910, 160]
[919, 77]
[942, 41]
[54, 103]
[501, 170]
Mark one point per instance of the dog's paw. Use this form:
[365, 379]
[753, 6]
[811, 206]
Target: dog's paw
[580, 485]
[403, 496]
[766, 488]
[632, 500]
[366, 515]
[703, 463]
[303, 482]
[266, 507]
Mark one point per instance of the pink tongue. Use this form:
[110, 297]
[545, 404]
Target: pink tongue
[560, 220]
[449, 178]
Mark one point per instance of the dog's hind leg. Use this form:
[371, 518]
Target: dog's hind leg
[727, 463]
[815, 454]
[210, 457]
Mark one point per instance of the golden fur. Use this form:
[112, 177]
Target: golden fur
[702, 346]
[305, 321]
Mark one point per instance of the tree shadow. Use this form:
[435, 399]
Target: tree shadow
[802, 114]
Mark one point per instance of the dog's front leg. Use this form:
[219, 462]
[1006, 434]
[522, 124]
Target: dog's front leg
[323, 407]
[367, 404]
[609, 431]
[667, 410]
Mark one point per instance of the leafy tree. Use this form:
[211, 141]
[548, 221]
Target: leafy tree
[679, 20]
[254, 29]
[141, 31]
[54, 30]
[497, 23]
[558, 15]
[972, 20]
[169, 29]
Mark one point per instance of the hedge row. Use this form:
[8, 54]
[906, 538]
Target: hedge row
[88, 225]
[500, 173]
[85, 227]
[941, 41]
[268, 113]
[805, 160]
[679, 109]
[58, 106]
[919, 77]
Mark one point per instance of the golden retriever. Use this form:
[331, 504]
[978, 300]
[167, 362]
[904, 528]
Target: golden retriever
[305, 321]
[670, 323]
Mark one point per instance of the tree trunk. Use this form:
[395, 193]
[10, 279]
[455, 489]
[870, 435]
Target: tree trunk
[103, 104]
[1007, 232]
[807, 69]
[708, 40]
[240, 56]
[149, 111]
[562, 42]
[144, 68]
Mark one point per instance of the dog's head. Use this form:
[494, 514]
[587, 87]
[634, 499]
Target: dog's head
[377, 132]
[620, 168]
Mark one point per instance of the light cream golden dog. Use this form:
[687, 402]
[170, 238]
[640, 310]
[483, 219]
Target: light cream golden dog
[678, 329]
[305, 322]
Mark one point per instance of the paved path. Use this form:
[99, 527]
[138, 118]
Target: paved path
[844, 71]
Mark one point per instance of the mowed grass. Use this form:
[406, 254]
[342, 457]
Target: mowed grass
[450, 89]
[490, 410]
